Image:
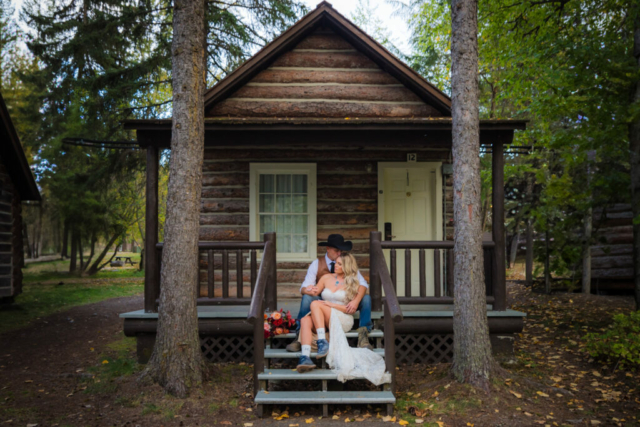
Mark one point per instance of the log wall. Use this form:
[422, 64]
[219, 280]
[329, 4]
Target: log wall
[10, 237]
[323, 76]
[347, 201]
[612, 257]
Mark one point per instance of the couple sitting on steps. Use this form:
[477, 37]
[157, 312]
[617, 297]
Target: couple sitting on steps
[332, 291]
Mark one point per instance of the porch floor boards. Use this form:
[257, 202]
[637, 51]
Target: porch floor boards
[293, 305]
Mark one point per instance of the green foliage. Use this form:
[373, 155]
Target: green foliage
[39, 300]
[568, 68]
[620, 344]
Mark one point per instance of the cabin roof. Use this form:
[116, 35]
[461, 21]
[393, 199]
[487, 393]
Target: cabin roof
[13, 157]
[325, 16]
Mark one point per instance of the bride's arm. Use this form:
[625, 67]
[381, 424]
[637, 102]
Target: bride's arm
[339, 307]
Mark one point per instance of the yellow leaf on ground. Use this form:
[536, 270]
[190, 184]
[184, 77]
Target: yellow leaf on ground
[294, 425]
[539, 393]
[470, 425]
[435, 394]
[528, 414]
[440, 423]
[516, 394]
[104, 362]
[386, 419]
[309, 420]
[248, 424]
[403, 422]
[419, 420]
[335, 417]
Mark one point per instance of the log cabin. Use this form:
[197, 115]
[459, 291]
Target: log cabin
[325, 131]
[16, 185]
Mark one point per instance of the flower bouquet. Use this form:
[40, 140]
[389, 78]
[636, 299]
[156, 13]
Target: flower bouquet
[278, 323]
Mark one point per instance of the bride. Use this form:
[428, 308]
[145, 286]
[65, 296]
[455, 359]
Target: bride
[337, 289]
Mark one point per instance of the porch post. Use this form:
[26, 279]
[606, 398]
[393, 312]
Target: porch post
[375, 290]
[271, 292]
[499, 285]
[151, 276]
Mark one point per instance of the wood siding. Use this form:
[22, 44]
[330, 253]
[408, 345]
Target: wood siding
[611, 258]
[10, 237]
[323, 76]
[347, 201]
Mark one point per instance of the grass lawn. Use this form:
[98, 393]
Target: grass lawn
[59, 270]
[40, 298]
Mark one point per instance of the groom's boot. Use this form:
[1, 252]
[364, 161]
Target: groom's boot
[363, 338]
[295, 346]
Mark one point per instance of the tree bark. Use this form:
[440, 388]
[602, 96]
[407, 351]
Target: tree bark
[81, 252]
[547, 266]
[472, 358]
[513, 249]
[95, 267]
[529, 257]
[634, 146]
[93, 250]
[26, 239]
[74, 251]
[176, 362]
[65, 239]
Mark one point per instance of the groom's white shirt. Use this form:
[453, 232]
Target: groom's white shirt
[312, 272]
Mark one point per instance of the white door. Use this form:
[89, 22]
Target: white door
[412, 203]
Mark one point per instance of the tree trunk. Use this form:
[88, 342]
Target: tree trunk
[529, 256]
[472, 358]
[74, 251]
[81, 252]
[93, 249]
[634, 146]
[65, 238]
[95, 267]
[513, 250]
[547, 267]
[177, 362]
[25, 228]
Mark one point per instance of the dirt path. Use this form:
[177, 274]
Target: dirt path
[40, 365]
[44, 377]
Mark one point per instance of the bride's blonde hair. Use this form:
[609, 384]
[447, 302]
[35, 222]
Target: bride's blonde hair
[350, 270]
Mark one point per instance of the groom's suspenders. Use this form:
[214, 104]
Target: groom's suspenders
[322, 268]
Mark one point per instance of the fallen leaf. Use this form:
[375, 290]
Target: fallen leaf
[335, 417]
[309, 420]
[104, 362]
[419, 420]
[516, 394]
[403, 422]
[539, 393]
[248, 424]
[528, 414]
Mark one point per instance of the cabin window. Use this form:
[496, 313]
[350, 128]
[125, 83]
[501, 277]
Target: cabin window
[283, 199]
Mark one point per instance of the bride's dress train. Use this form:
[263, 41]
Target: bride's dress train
[349, 362]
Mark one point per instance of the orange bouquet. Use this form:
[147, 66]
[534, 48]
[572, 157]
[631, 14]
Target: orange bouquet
[278, 323]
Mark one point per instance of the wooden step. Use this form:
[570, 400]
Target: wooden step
[292, 374]
[376, 333]
[325, 397]
[281, 353]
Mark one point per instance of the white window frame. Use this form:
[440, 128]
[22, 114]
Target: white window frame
[309, 169]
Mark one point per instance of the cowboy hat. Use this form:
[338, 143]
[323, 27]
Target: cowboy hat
[337, 241]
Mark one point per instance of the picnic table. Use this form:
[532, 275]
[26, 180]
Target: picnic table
[125, 259]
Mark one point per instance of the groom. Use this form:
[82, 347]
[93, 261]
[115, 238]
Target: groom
[325, 265]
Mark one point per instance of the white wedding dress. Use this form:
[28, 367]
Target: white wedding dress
[348, 362]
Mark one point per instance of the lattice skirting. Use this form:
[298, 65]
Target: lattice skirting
[424, 349]
[410, 349]
[227, 348]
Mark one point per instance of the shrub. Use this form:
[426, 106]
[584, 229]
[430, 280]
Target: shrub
[620, 343]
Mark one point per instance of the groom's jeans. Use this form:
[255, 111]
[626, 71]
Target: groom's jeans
[364, 308]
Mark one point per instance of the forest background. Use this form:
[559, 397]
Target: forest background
[83, 67]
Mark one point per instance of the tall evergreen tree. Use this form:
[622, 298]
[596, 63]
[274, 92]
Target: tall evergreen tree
[472, 359]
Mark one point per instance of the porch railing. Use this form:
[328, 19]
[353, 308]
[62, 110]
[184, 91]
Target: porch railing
[259, 305]
[443, 260]
[381, 280]
[226, 252]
